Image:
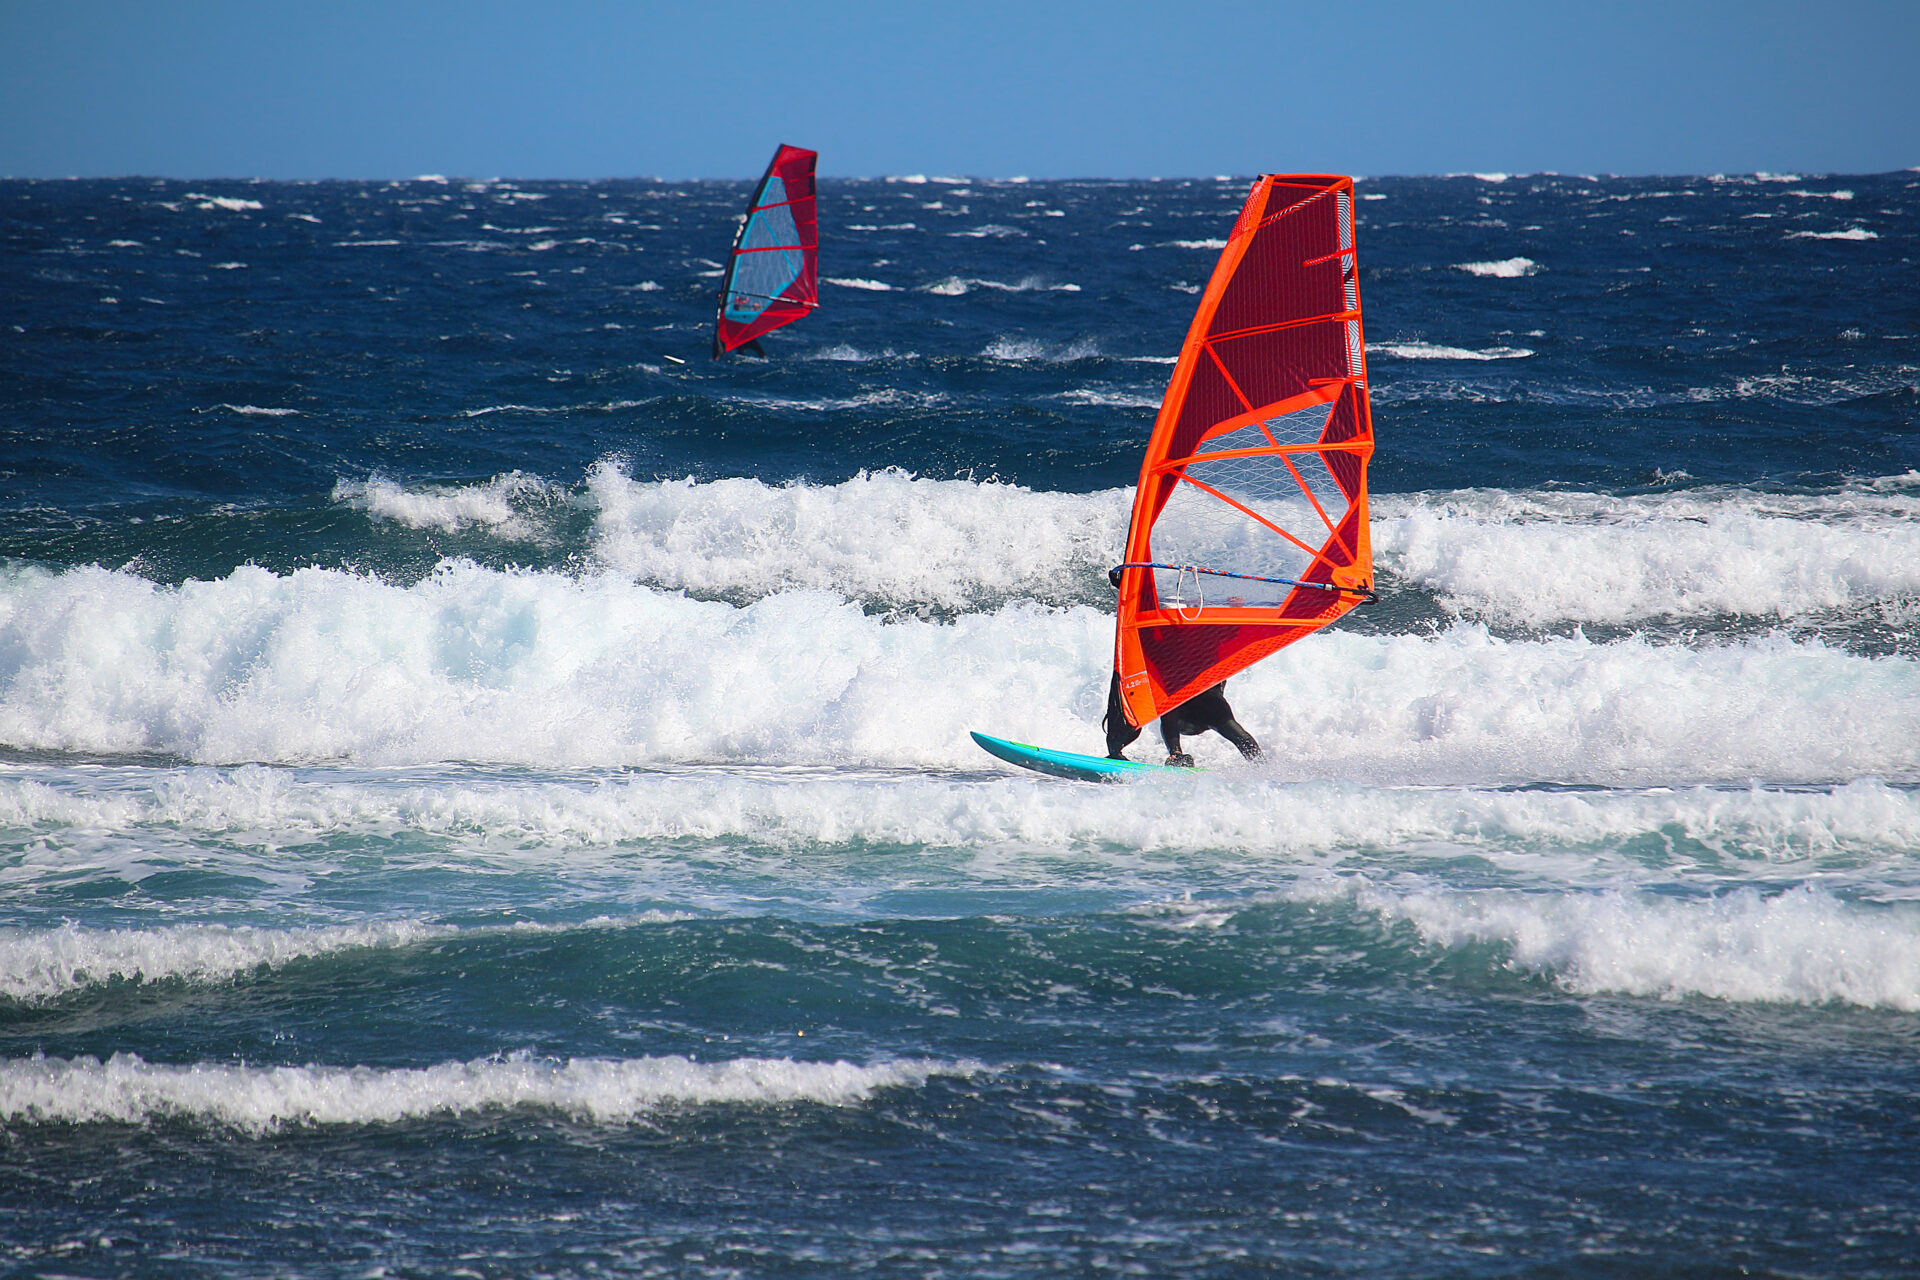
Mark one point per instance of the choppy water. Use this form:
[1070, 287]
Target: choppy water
[485, 790]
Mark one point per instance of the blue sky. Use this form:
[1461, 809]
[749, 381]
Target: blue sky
[572, 89]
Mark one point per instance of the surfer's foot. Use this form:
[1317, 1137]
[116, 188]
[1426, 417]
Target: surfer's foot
[1180, 760]
[1116, 755]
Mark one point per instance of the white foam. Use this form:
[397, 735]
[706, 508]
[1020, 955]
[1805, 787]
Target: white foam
[1796, 388]
[990, 231]
[127, 1090]
[504, 505]
[1108, 397]
[1209, 243]
[1851, 233]
[548, 668]
[41, 964]
[1822, 195]
[1504, 269]
[1249, 815]
[954, 286]
[1020, 350]
[484, 410]
[231, 204]
[839, 404]
[888, 535]
[1531, 558]
[854, 282]
[477, 664]
[1540, 557]
[257, 411]
[1433, 351]
[1802, 946]
[847, 353]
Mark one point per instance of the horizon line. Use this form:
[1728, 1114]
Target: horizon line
[917, 179]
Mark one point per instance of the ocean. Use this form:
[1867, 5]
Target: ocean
[485, 789]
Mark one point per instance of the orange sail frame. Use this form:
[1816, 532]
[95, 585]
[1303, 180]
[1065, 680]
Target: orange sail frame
[1254, 482]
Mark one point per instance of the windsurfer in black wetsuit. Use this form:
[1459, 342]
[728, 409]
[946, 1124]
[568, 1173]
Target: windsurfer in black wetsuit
[1203, 711]
[1197, 714]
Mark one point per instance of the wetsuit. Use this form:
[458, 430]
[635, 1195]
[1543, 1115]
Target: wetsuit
[1197, 714]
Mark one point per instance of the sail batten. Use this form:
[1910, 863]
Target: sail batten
[1255, 475]
[773, 274]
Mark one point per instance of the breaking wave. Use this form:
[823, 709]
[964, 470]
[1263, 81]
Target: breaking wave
[503, 505]
[482, 665]
[1504, 269]
[128, 1090]
[888, 536]
[1250, 813]
[42, 964]
[1802, 946]
[1433, 351]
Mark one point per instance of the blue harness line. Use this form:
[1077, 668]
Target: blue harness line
[1365, 593]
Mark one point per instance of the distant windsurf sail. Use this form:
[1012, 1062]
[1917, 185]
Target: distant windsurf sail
[773, 277]
[1250, 521]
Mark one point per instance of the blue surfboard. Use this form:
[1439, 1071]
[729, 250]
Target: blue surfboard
[1068, 764]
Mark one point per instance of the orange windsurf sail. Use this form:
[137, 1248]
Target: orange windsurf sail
[1250, 521]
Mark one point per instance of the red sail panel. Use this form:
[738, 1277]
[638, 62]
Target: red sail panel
[773, 274]
[1250, 520]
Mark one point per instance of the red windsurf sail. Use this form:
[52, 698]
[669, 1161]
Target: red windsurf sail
[1250, 521]
[773, 276]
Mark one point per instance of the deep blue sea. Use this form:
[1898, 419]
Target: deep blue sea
[485, 789]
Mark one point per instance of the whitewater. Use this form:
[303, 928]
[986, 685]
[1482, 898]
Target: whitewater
[485, 789]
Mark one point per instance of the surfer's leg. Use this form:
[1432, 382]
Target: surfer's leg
[1171, 727]
[1120, 734]
[1233, 732]
[1211, 710]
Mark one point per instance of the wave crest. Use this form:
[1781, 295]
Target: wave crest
[1798, 947]
[125, 1089]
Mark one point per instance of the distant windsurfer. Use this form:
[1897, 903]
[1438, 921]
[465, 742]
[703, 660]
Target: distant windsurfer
[1196, 715]
[751, 346]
